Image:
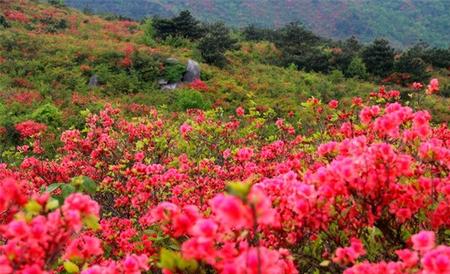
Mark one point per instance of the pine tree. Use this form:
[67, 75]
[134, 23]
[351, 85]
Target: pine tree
[301, 47]
[414, 66]
[379, 58]
[184, 25]
[215, 43]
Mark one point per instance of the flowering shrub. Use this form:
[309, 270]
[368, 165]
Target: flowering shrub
[346, 186]
[433, 87]
[198, 85]
[425, 257]
[16, 16]
[30, 128]
[128, 51]
[365, 188]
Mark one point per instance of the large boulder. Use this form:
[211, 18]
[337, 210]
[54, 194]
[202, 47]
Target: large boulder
[192, 72]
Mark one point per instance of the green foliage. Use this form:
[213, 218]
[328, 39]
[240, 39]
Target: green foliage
[174, 262]
[174, 72]
[55, 26]
[149, 32]
[146, 67]
[2, 114]
[437, 57]
[176, 42]
[357, 69]
[70, 267]
[215, 43]
[445, 91]
[60, 191]
[3, 22]
[10, 136]
[301, 47]
[379, 57]
[184, 25]
[336, 76]
[57, 3]
[413, 66]
[123, 82]
[48, 114]
[253, 33]
[239, 189]
[141, 76]
[190, 99]
[345, 52]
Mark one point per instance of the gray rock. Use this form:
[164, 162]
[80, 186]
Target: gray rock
[93, 81]
[172, 60]
[192, 71]
[162, 82]
[169, 86]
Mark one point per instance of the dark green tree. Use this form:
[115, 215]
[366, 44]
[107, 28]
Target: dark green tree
[215, 43]
[437, 57]
[379, 58]
[187, 26]
[57, 3]
[413, 65]
[254, 33]
[163, 28]
[345, 52]
[301, 47]
[184, 25]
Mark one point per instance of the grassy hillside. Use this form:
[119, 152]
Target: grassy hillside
[403, 22]
[48, 55]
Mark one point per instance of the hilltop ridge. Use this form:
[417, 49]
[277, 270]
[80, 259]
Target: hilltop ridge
[403, 22]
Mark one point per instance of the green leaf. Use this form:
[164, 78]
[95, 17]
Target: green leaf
[33, 207]
[53, 187]
[51, 204]
[91, 221]
[85, 113]
[168, 259]
[67, 189]
[173, 261]
[71, 267]
[239, 189]
[77, 181]
[89, 185]
[140, 145]
[187, 265]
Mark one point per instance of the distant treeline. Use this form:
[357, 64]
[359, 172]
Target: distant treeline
[306, 50]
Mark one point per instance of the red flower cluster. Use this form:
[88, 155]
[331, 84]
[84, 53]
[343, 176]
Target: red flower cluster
[30, 128]
[127, 61]
[240, 194]
[199, 85]
[26, 98]
[424, 256]
[15, 15]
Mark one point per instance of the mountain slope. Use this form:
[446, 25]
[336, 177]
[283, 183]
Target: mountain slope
[404, 22]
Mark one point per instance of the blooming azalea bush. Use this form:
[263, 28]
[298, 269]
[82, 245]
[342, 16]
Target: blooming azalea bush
[362, 187]
[199, 85]
[335, 186]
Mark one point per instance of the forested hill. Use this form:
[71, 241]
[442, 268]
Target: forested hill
[403, 22]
